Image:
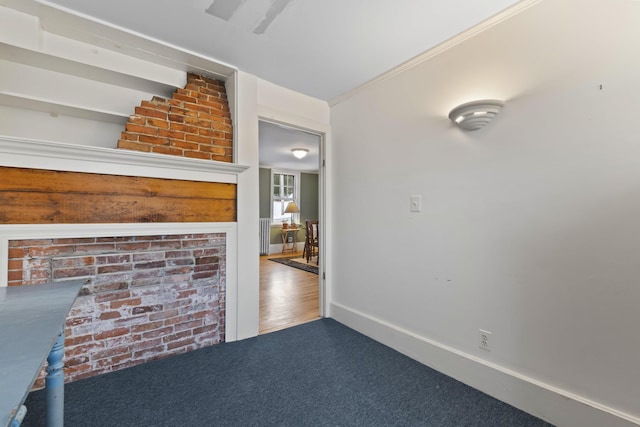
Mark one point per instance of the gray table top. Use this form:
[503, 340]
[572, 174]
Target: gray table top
[30, 319]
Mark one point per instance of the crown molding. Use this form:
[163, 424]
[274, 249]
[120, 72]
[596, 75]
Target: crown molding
[442, 47]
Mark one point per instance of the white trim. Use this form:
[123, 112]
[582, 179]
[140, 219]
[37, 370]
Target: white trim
[29, 153]
[442, 47]
[553, 404]
[283, 118]
[50, 231]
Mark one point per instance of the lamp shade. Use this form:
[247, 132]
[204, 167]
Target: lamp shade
[475, 115]
[292, 208]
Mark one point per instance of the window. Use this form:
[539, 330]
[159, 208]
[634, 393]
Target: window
[285, 188]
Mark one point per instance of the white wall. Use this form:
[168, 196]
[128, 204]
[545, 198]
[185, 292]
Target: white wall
[529, 227]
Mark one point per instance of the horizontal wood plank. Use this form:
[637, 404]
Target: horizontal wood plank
[19, 179]
[33, 196]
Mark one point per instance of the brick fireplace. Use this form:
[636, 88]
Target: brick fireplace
[152, 235]
[145, 297]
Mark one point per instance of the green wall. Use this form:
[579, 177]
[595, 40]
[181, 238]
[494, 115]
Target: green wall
[308, 201]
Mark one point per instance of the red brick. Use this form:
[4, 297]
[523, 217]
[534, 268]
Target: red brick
[60, 273]
[166, 150]
[154, 140]
[14, 275]
[46, 251]
[112, 259]
[111, 296]
[110, 352]
[162, 124]
[30, 242]
[132, 246]
[146, 309]
[17, 252]
[188, 325]
[111, 333]
[145, 354]
[106, 315]
[128, 145]
[175, 344]
[165, 244]
[184, 145]
[146, 326]
[176, 118]
[73, 262]
[127, 137]
[75, 321]
[114, 360]
[80, 339]
[213, 104]
[113, 268]
[124, 302]
[95, 248]
[88, 348]
[150, 112]
[221, 158]
[172, 134]
[141, 129]
[197, 138]
[72, 371]
[176, 337]
[73, 361]
[183, 128]
[158, 332]
[211, 133]
[137, 120]
[163, 315]
[184, 98]
[197, 155]
[158, 104]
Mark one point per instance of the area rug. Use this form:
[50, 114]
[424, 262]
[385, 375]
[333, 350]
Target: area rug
[297, 262]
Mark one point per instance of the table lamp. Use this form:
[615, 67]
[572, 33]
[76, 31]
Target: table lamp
[291, 209]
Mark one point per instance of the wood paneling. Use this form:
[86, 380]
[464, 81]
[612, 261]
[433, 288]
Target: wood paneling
[34, 196]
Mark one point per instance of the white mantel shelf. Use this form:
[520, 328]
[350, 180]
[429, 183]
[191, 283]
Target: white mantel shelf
[36, 154]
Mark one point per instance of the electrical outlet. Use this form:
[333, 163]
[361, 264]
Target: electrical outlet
[484, 339]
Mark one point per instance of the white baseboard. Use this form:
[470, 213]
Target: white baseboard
[556, 406]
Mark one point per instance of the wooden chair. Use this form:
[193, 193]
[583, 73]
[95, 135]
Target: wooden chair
[311, 240]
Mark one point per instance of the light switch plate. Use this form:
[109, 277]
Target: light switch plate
[415, 204]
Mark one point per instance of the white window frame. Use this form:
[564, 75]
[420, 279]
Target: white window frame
[296, 195]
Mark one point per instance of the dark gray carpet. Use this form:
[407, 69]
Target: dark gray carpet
[317, 374]
[310, 267]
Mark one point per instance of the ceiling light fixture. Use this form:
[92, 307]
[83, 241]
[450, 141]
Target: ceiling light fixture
[476, 114]
[300, 152]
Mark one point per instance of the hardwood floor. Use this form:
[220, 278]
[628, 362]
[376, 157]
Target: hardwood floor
[288, 296]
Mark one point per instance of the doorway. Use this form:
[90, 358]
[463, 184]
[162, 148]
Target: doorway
[288, 295]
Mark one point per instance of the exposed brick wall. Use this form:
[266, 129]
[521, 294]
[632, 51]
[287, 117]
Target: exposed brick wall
[195, 123]
[144, 298]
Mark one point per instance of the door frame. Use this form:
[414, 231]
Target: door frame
[322, 134]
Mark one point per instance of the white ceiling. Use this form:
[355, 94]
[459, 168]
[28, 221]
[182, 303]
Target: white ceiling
[322, 48]
[276, 143]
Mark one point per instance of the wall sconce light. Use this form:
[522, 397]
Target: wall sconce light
[476, 114]
[300, 152]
